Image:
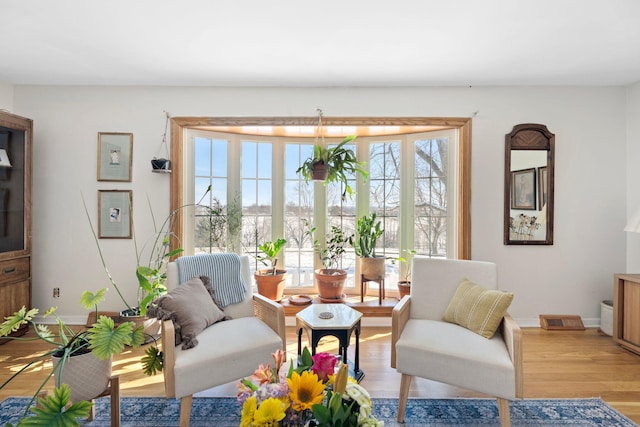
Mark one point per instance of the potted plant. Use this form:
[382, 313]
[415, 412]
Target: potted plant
[271, 281]
[81, 359]
[368, 231]
[151, 271]
[330, 279]
[332, 165]
[404, 284]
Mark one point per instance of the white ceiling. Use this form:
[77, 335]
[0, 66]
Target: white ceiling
[324, 43]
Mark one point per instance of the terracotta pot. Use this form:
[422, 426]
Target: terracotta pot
[271, 285]
[404, 288]
[319, 172]
[372, 268]
[86, 375]
[330, 283]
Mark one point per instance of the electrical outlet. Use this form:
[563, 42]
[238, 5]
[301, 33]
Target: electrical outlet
[56, 292]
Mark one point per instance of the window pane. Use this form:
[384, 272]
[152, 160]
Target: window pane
[249, 159]
[202, 156]
[430, 196]
[298, 218]
[384, 193]
[219, 157]
[264, 160]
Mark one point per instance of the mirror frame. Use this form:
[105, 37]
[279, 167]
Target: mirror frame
[529, 136]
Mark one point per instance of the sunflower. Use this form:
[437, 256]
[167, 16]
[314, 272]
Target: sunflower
[306, 390]
[248, 409]
[270, 412]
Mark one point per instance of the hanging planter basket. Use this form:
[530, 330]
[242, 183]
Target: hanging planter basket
[161, 165]
[319, 172]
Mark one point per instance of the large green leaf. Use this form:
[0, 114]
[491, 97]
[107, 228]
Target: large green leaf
[90, 300]
[51, 410]
[17, 320]
[106, 341]
[152, 361]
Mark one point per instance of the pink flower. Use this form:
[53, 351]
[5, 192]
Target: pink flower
[279, 357]
[263, 374]
[323, 365]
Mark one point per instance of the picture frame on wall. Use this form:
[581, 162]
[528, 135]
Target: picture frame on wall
[115, 150]
[114, 214]
[542, 186]
[523, 189]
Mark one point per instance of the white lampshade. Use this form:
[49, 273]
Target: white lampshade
[633, 225]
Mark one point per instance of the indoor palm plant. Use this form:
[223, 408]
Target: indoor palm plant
[271, 281]
[95, 346]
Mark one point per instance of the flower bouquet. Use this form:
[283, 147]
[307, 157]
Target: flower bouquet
[316, 392]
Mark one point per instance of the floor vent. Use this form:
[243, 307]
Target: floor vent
[561, 321]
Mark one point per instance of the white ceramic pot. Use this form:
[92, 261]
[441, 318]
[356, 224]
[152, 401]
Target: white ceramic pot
[86, 375]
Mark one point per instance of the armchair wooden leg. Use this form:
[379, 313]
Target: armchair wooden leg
[114, 393]
[405, 383]
[503, 411]
[185, 410]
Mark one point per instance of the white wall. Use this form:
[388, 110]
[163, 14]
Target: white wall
[570, 277]
[6, 96]
[633, 174]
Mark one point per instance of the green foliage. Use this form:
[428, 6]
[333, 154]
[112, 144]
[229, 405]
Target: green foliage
[152, 361]
[103, 339]
[337, 413]
[340, 162]
[150, 273]
[331, 252]
[305, 361]
[52, 410]
[368, 231]
[271, 251]
[408, 260]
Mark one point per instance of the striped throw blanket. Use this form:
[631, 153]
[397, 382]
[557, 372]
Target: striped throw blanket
[222, 269]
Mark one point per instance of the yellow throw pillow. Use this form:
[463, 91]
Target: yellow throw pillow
[477, 309]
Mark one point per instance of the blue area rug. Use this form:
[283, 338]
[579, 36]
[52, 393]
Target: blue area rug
[224, 412]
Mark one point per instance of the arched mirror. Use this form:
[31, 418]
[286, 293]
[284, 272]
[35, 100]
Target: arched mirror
[528, 185]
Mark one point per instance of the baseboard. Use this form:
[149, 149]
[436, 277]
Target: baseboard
[524, 322]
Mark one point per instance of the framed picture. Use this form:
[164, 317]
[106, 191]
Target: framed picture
[523, 189]
[114, 156]
[114, 214]
[542, 187]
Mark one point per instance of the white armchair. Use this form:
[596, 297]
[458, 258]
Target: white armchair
[227, 350]
[425, 346]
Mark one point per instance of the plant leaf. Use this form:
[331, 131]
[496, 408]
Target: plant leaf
[105, 341]
[152, 361]
[90, 300]
[17, 320]
[52, 412]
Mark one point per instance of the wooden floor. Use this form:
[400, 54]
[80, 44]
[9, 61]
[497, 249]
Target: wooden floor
[557, 364]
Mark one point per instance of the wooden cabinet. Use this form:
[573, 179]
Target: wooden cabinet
[626, 311]
[15, 214]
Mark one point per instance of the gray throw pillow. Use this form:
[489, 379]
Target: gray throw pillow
[192, 310]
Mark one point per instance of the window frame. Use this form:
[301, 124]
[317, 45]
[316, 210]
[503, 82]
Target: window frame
[179, 125]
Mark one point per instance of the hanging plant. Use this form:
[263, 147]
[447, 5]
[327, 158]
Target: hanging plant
[332, 164]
